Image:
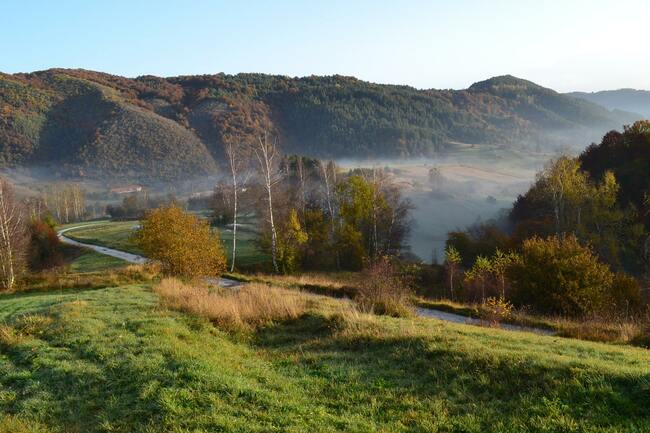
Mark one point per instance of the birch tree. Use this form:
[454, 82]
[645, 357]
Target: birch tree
[237, 157]
[12, 236]
[266, 151]
[328, 175]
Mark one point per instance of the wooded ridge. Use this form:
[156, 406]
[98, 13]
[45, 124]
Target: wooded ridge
[92, 124]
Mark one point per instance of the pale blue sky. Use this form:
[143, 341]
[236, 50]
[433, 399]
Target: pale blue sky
[566, 45]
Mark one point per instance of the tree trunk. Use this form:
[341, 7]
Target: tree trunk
[234, 223]
[274, 236]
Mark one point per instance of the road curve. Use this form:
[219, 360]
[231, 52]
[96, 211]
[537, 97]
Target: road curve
[228, 283]
[129, 257]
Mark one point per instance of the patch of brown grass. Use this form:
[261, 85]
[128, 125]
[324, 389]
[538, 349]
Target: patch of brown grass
[330, 280]
[59, 279]
[350, 321]
[13, 424]
[600, 330]
[25, 326]
[9, 337]
[253, 305]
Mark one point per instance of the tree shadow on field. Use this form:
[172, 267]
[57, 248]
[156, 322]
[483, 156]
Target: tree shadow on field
[403, 372]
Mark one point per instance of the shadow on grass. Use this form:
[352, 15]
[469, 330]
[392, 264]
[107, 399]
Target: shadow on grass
[508, 390]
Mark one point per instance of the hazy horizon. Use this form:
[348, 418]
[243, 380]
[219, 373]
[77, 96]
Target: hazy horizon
[566, 46]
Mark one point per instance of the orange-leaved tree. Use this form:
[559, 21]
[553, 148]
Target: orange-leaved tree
[183, 243]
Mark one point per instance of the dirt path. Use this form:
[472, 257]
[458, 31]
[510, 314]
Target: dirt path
[128, 257]
[457, 318]
[228, 283]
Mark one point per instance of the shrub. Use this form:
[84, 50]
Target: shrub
[495, 310]
[558, 275]
[291, 241]
[251, 306]
[182, 243]
[44, 246]
[625, 294]
[383, 291]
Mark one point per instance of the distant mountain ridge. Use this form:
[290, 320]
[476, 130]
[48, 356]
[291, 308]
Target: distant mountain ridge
[86, 123]
[637, 101]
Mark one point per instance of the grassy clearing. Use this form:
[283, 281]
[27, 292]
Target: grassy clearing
[115, 234]
[249, 255]
[112, 360]
[86, 260]
[253, 305]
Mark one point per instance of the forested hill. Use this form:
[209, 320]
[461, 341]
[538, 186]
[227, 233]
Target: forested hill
[84, 123]
[637, 101]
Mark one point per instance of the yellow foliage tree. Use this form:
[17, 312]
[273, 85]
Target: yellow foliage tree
[181, 242]
[291, 242]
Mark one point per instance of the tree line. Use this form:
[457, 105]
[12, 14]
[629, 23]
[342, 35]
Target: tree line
[575, 243]
[311, 214]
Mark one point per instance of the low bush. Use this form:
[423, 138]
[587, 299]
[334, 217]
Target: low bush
[252, 306]
[383, 291]
[495, 310]
[45, 250]
[558, 275]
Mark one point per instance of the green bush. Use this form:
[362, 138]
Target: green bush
[557, 275]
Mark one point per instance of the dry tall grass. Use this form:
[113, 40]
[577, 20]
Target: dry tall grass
[251, 306]
[59, 278]
[333, 280]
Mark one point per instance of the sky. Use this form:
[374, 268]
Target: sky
[566, 45]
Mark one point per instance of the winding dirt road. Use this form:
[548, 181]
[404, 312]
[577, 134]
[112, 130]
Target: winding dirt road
[228, 283]
[129, 257]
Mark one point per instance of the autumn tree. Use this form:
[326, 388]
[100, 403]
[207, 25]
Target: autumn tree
[559, 275]
[291, 241]
[478, 276]
[44, 250]
[183, 243]
[500, 266]
[67, 202]
[566, 187]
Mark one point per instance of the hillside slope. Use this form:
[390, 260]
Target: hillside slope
[637, 101]
[111, 359]
[86, 123]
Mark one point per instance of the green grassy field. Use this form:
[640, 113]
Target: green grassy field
[248, 253]
[91, 261]
[111, 234]
[112, 360]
